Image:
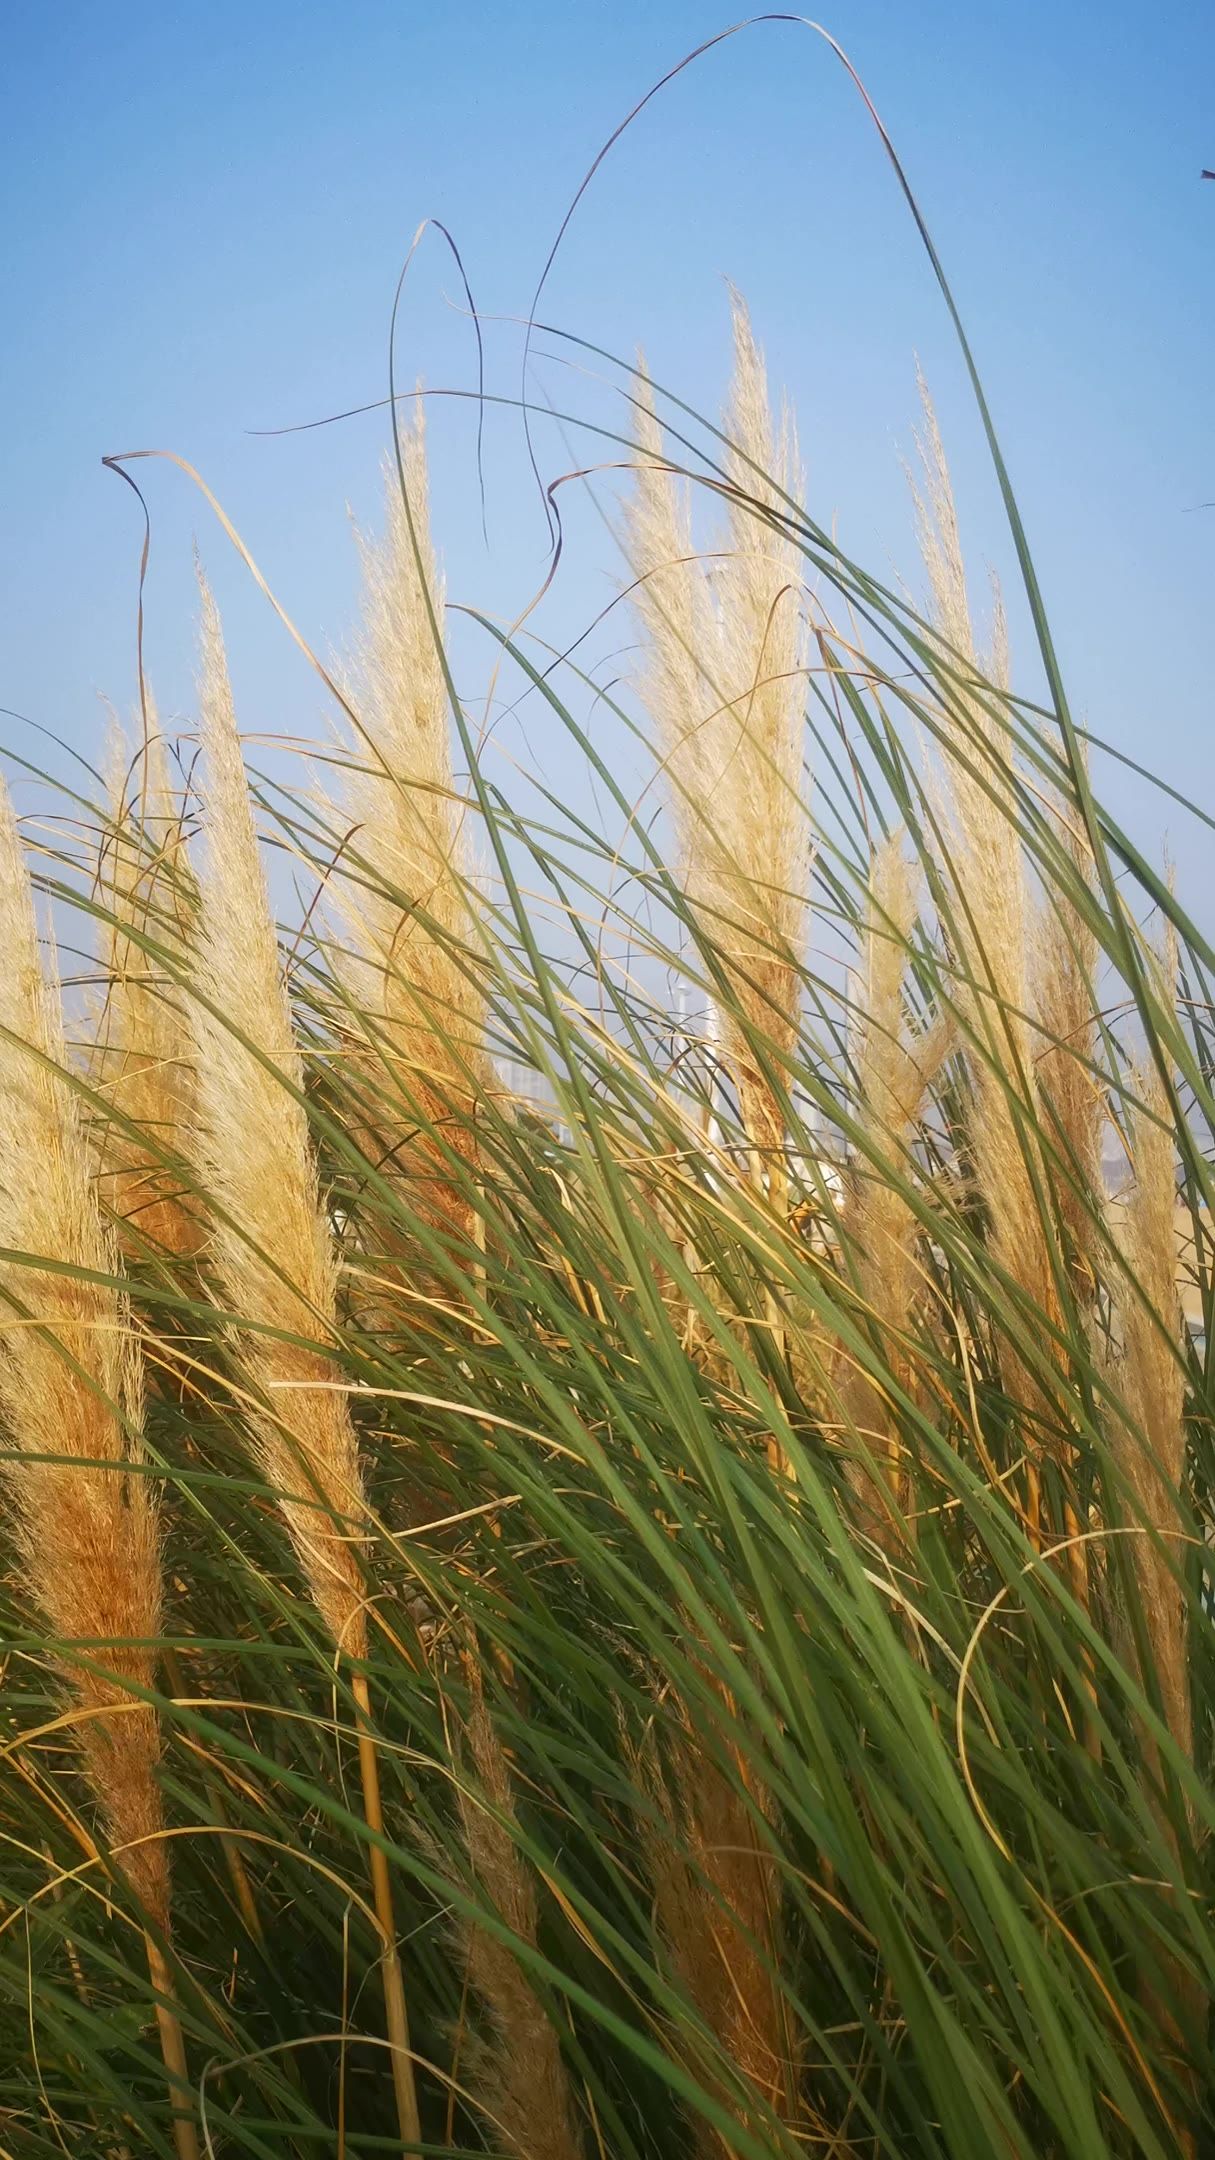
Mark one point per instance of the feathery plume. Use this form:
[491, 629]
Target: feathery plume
[144, 1052]
[1071, 1093]
[717, 1901]
[270, 1244]
[724, 681]
[985, 864]
[272, 1248]
[409, 911]
[1150, 1449]
[84, 1516]
[519, 2077]
[893, 1075]
[1151, 1453]
[987, 859]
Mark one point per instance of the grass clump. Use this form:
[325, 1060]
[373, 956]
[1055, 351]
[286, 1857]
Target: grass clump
[714, 1540]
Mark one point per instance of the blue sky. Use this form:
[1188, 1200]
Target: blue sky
[206, 209]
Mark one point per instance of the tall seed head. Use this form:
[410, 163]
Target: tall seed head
[991, 923]
[1073, 1099]
[271, 1244]
[84, 1517]
[144, 1052]
[1151, 1451]
[519, 2074]
[723, 678]
[893, 1075]
[408, 970]
[717, 1898]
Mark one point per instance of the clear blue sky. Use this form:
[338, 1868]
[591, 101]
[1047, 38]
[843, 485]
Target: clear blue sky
[205, 209]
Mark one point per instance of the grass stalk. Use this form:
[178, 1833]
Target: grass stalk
[173, 2049]
[395, 2008]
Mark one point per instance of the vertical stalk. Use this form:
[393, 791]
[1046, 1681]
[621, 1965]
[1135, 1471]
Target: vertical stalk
[396, 2013]
[173, 2050]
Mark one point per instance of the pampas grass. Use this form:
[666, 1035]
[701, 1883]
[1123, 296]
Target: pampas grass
[893, 1077]
[1149, 1447]
[993, 923]
[407, 966]
[83, 1510]
[717, 1898]
[272, 1249]
[770, 1464]
[143, 1058]
[1152, 1446]
[724, 680]
[1066, 1005]
[520, 2080]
